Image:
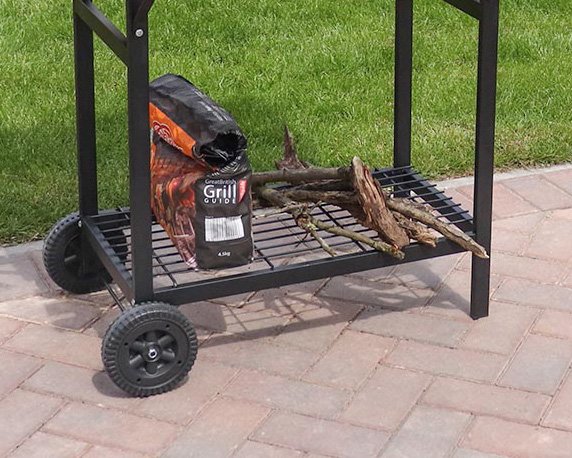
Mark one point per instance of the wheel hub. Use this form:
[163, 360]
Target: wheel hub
[153, 353]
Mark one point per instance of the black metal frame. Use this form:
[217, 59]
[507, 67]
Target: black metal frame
[146, 248]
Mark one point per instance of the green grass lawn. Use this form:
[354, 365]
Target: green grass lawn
[324, 67]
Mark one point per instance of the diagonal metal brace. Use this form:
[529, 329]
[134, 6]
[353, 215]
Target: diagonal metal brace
[143, 11]
[102, 26]
[473, 8]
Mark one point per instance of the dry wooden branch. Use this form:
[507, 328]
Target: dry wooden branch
[290, 160]
[415, 230]
[450, 231]
[354, 189]
[300, 176]
[374, 205]
[412, 210]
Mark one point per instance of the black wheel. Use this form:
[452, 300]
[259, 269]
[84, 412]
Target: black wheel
[149, 349]
[63, 257]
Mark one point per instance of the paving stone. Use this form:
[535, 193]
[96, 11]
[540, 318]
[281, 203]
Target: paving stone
[509, 242]
[64, 313]
[560, 413]
[366, 292]
[19, 278]
[253, 449]
[503, 241]
[64, 346]
[79, 384]
[321, 436]
[554, 324]
[481, 399]
[525, 224]
[350, 360]
[111, 428]
[383, 274]
[20, 368]
[568, 280]
[526, 267]
[467, 453]
[565, 214]
[42, 445]
[315, 330]
[252, 319]
[107, 452]
[386, 398]
[22, 249]
[205, 315]
[205, 381]
[283, 393]
[539, 192]
[424, 274]
[257, 355]
[552, 240]
[30, 409]
[562, 179]
[219, 430]
[502, 331]
[410, 326]
[427, 433]
[235, 300]
[509, 265]
[271, 296]
[453, 300]
[100, 327]
[317, 322]
[446, 361]
[9, 327]
[536, 294]
[490, 435]
[506, 203]
[539, 364]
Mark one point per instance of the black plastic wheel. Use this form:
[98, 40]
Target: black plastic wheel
[63, 258]
[149, 349]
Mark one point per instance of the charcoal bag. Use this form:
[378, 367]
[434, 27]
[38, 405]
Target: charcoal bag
[200, 176]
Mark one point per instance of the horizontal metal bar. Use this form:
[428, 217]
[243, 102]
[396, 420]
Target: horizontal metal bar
[108, 257]
[473, 8]
[103, 27]
[297, 273]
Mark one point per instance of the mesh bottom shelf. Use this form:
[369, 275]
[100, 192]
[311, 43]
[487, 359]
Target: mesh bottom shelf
[279, 243]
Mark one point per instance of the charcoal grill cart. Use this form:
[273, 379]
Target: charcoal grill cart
[152, 346]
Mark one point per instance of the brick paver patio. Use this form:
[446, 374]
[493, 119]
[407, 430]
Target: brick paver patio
[385, 363]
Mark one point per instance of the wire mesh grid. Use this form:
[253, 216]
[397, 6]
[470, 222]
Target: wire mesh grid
[278, 240]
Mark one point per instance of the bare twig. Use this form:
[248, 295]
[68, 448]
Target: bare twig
[277, 198]
[450, 231]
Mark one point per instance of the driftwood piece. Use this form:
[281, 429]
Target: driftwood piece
[310, 224]
[450, 231]
[374, 205]
[395, 219]
[415, 230]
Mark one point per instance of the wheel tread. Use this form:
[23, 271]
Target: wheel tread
[131, 319]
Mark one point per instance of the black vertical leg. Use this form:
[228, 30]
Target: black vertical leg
[85, 118]
[484, 162]
[403, 82]
[139, 151]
